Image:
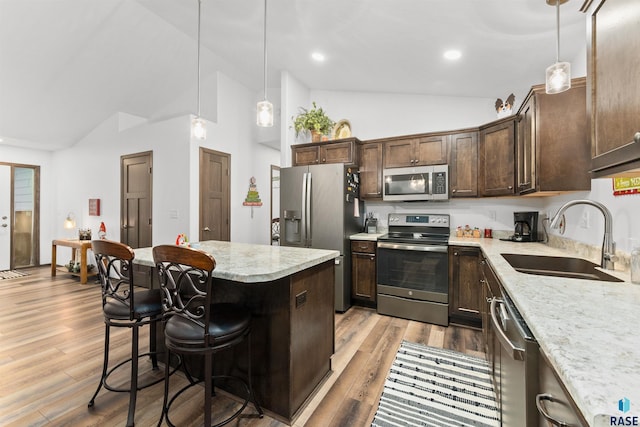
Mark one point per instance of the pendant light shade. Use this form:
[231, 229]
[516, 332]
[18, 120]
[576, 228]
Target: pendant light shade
[198, 125]
[198, 128]
[558, 75]
[264, 116]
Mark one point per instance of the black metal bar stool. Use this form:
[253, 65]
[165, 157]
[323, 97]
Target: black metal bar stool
[194, 325]
[124, 307]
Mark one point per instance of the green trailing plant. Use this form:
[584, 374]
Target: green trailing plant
[314, 119]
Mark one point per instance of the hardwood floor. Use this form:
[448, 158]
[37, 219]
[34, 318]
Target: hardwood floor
[51, 345]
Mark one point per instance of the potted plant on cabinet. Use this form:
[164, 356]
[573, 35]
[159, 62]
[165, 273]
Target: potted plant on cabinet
[314, 120]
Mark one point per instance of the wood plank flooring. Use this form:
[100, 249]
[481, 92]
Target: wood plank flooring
[51, 346]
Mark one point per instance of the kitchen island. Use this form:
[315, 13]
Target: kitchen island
[588, 329]
[290, 292]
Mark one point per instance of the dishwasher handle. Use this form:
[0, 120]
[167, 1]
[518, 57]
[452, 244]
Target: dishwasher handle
[540, 399]
[515, 353]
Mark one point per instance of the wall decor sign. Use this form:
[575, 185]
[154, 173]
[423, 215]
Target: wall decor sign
[94, 207]
[625, 186]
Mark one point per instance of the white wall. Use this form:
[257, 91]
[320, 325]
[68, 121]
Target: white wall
[235, 134]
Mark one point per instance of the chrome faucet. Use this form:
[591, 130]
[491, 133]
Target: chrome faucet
[608, 257]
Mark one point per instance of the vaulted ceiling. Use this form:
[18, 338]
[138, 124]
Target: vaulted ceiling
[67, 65]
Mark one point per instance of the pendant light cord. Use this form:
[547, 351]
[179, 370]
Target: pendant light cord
[557, 31]
[265, 50]
[199, 6]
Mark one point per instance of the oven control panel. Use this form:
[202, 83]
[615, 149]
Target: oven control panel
[430, 220]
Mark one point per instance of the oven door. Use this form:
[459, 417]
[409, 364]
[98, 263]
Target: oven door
[415, 271]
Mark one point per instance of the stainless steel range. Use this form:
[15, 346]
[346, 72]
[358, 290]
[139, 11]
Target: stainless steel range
[413, 268]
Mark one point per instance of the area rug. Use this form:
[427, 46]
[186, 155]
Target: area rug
[11, 274]
[429, 386]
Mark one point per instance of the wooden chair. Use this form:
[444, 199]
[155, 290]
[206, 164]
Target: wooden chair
[195, 325]
[125, 307]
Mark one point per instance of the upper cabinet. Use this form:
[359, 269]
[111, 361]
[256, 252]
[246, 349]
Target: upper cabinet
[416, 150]
[336, 151]
[552, 146]
[496, 171]
[614, 93]
[463, 164]
[370, 168]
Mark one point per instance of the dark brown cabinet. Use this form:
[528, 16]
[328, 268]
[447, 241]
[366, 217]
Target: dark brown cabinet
[496, 158]
[416, 150]
[614, 93]
[465, 290]
[363, 272]
[463, 164]
[552, 149]
[492, 346]
[370, 168]
[337, 151]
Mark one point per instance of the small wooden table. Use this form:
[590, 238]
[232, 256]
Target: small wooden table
[74, 244]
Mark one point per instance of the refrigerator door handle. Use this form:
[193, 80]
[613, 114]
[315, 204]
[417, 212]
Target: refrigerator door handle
[303, 218]
[307, 231]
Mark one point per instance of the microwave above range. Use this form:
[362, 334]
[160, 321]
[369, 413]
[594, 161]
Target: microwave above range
[416, 183]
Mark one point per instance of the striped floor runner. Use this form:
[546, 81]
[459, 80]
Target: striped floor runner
[429, 386]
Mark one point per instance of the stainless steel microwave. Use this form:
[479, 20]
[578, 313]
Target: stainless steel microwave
[416, 183]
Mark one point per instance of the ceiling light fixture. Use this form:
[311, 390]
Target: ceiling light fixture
[198, 126]
[317, 56]
[452, 54]
[558, 75]
[265, 108]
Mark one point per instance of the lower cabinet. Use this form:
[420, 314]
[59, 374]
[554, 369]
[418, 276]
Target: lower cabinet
[555, 406]
[363, 272]
[465, 290]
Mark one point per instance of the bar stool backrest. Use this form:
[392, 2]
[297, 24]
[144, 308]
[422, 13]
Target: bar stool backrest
[114, 263]
[186, 281]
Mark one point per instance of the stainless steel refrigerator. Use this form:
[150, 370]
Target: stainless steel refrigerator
[319, 208]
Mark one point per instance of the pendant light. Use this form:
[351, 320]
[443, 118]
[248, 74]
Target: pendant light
[265, 108]
[558, 75]
[198, 127]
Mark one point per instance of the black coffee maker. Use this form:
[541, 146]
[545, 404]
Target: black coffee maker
[526, 227]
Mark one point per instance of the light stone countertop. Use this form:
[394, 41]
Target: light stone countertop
[250, 263]
[588, 329]
[366, 236]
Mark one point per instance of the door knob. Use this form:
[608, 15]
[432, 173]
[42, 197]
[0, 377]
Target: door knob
[206, 229]
[124, 226]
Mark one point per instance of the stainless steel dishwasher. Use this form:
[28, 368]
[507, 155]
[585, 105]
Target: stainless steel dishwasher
[516, 368]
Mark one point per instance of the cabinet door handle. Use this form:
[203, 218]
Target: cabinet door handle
[540, 398]
[324, 160]
[636, 137]
[510, 187]
[454, 190]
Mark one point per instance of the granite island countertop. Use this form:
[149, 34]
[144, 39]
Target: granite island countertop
[588, 329]
[251, 263]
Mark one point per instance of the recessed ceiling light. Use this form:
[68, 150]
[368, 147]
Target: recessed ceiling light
[452, 54]
[318, 57]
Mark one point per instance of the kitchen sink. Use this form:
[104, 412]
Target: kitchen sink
[573, 268]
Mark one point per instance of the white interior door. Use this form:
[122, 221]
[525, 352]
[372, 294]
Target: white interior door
[5, 217]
